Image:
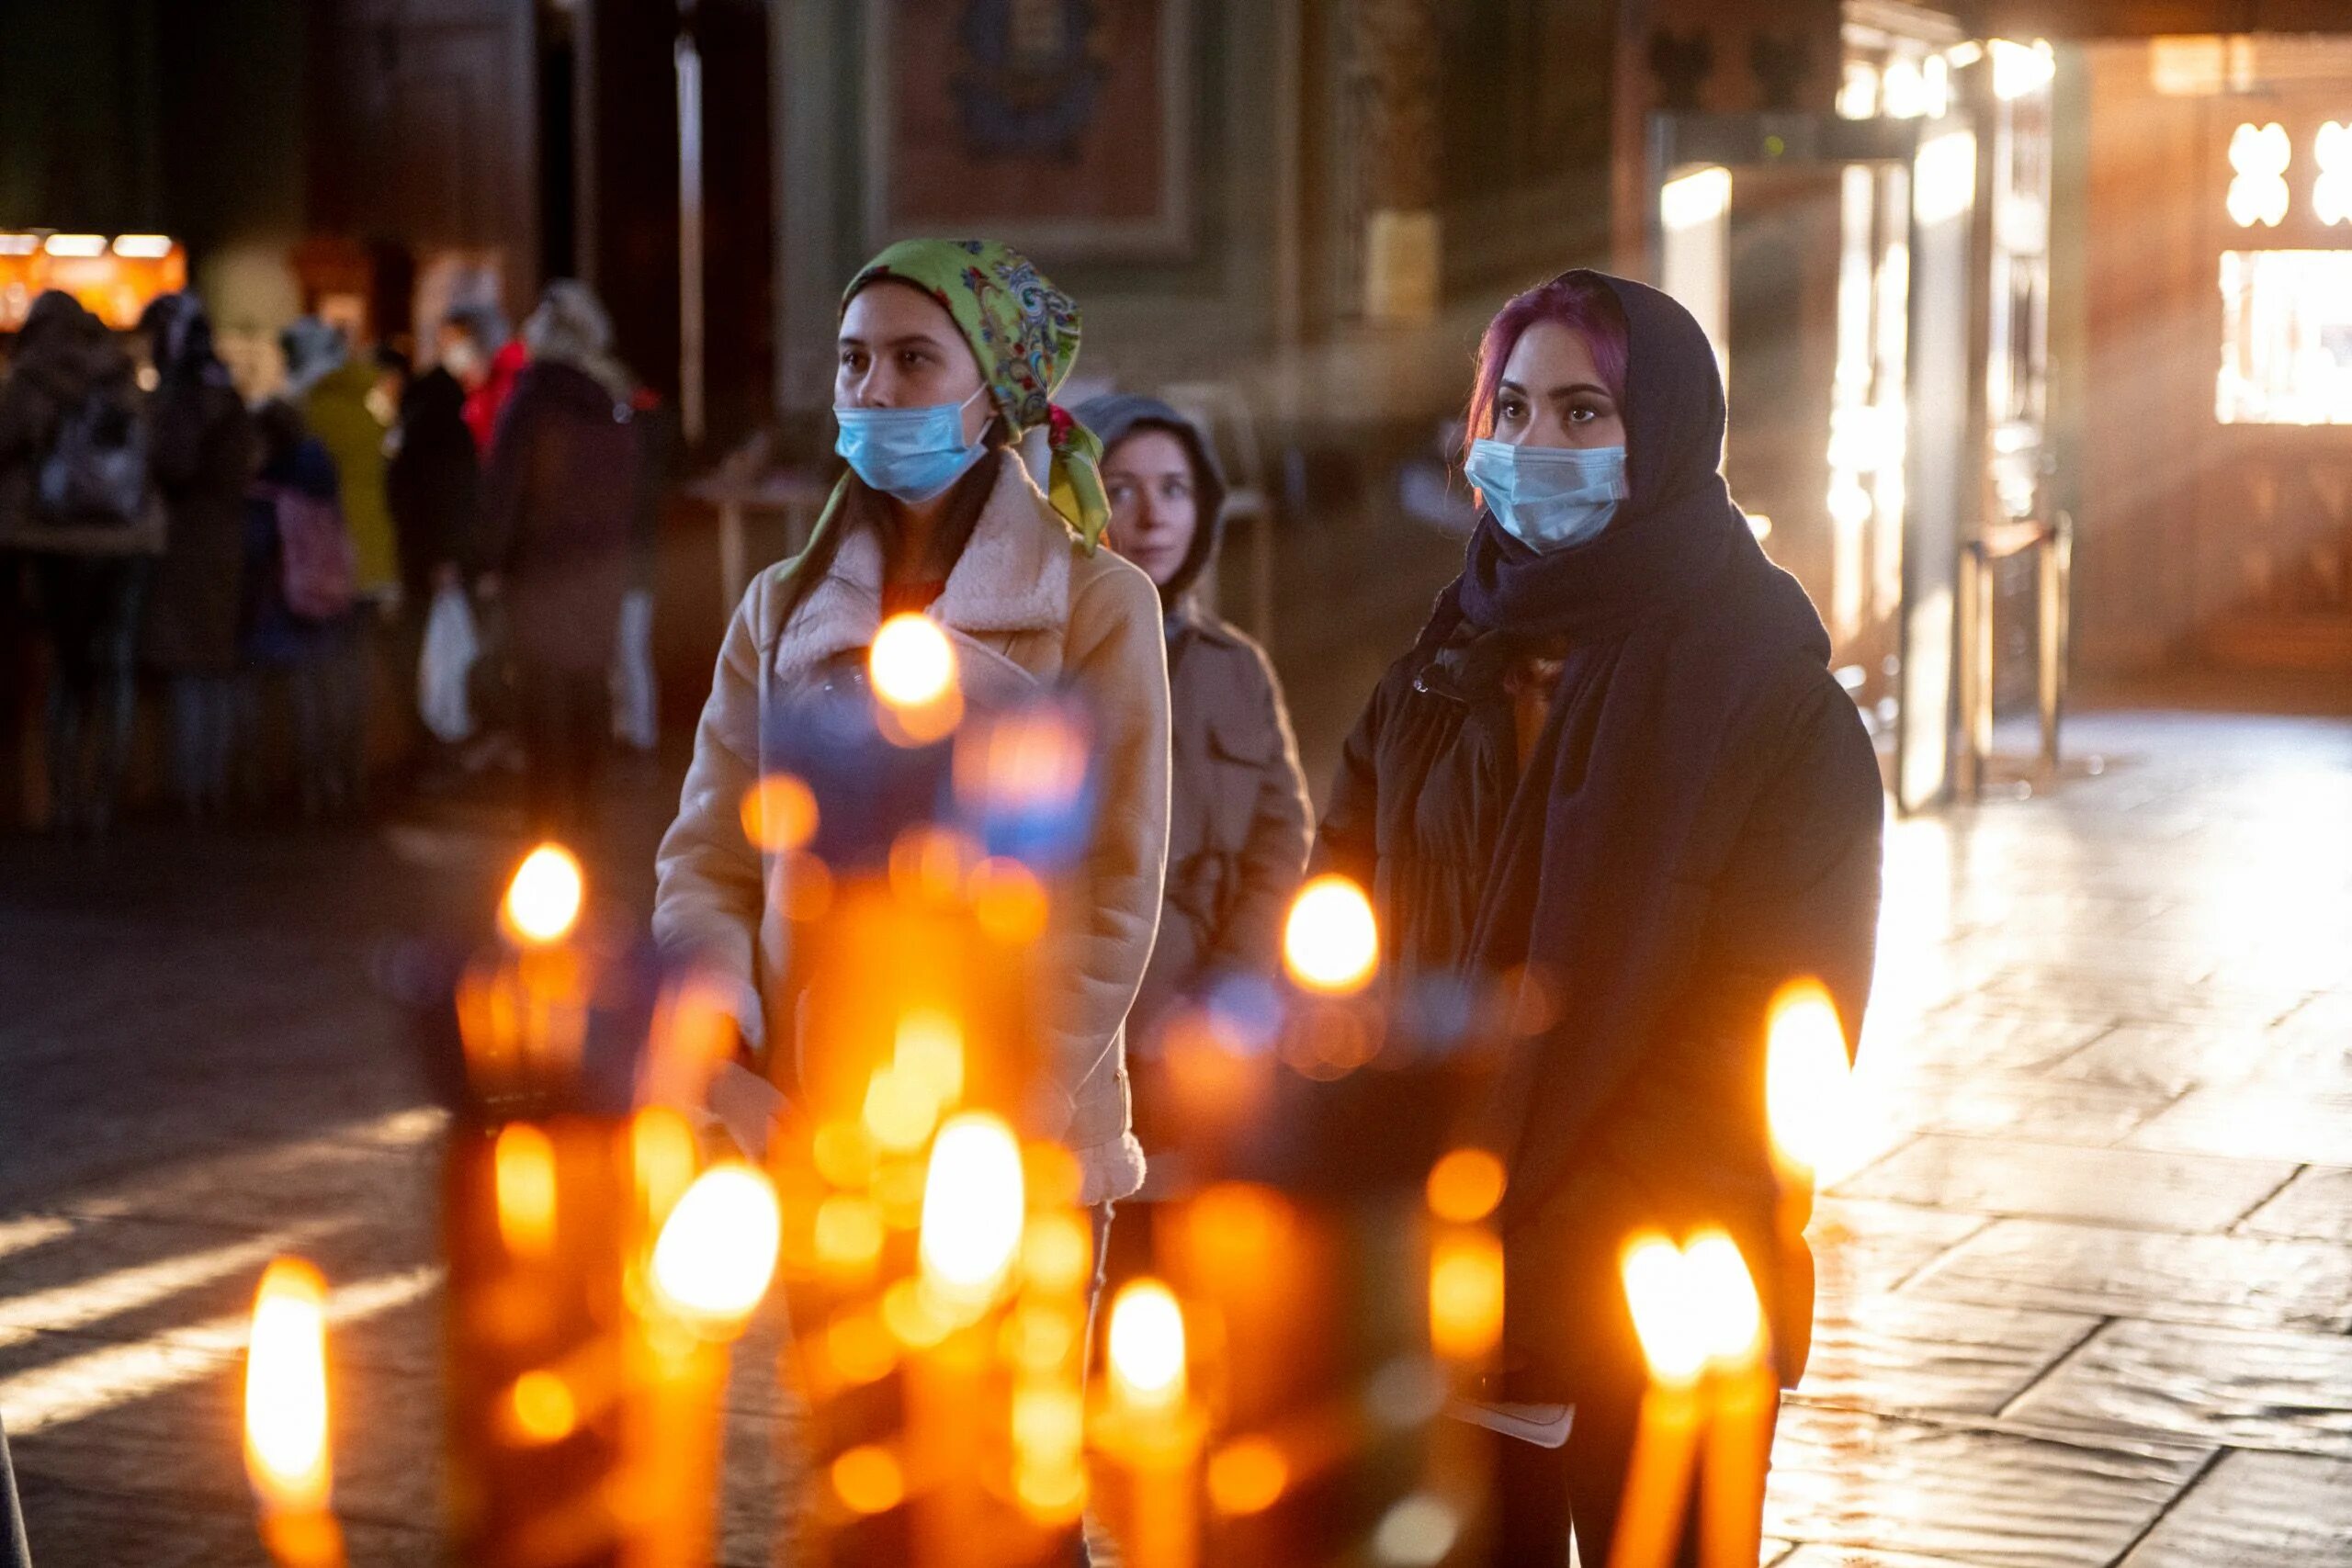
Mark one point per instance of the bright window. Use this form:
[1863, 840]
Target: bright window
[2286, 338]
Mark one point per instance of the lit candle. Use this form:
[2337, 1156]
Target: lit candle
[1151, 1428]
[286, 1454]
[1739, 1431]
[1674, 1342]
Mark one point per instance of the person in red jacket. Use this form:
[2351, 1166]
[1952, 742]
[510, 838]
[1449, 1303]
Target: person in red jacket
[475, 348]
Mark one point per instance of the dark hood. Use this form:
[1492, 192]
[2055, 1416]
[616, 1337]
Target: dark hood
[567, 387]
[1117, 415]
[435, 398]
[66, 351]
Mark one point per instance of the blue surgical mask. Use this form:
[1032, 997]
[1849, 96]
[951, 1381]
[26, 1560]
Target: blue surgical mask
[912, 453]
[1549, 497]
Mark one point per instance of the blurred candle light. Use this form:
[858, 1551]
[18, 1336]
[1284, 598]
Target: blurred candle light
[1147, 1351]
[779, 814]
[522, 1168]
[1151, 1430]
[1331, 942]
[1467, 1294]
[286, 1456]
[1740, 1428]
[1247, 1475]
[1465, 1185]
[716, 1251]
[543, 901]
[974, 1210]
[868, 1479]
[912, 667]
[1676, 1342]
[1808, 1083]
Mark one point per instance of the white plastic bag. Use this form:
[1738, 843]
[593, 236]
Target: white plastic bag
[636, 715]
[450, 648]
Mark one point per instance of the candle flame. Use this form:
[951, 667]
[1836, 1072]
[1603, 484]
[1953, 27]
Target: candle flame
[912, 667]
[869, 1480]
[1808, 1081]
[718, 1250]
[1467, 1294]
[1247, 1475]
[522, 1172]
[974, 1204]
[286, 1389]
[543, 901]
[1465, 1185]
[1332, 944]
[1692, 1305]
[1147, 1351]
[1666, 1318]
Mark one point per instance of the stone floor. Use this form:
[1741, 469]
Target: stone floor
[2086, 1291]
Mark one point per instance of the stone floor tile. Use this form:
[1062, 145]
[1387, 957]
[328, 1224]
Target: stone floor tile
[1858, 1557]
[1854, 1479]
[2240, 1388]
[74, 1528]
[2174, 1059]
[1993, 1103]
[1912, 1353]
[2317, 1205]
[2255, 1123]
[2237, 1281]
[1861, 1244]
[2127, 1186]
[2275, 1510]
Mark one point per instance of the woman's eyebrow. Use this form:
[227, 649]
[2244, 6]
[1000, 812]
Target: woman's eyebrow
[1573, 388]
[909, 340]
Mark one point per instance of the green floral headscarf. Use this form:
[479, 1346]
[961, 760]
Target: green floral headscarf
[1024, 331]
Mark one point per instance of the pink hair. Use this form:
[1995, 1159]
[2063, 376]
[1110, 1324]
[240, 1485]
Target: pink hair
[1577, 300]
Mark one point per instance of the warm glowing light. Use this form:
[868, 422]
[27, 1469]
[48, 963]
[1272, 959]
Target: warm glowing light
[76, 246]
[869, 1480]
[1051, 1493]
[1057, 1254]
[848, 1231]
[1008, 901]
[1048, 1422]
[1858, 94]
[286, 1389]
[860, 1348]
[1904, 91]
[1671, 1326]
[716, 1251]
[908, 1312]
[844, 1153]
[2022, 68]
[1717, 1280]
[912, 666]
[1039, 1339]
[661, 1152]
[18, 245]
[523, 1173]
[1247, 1475]
[1467, 1294]
[1465, 1185]
[543, 901]
[1332, 944]
[542, 1408]
[900, 1110]
[2258, 160]
[142, 247]
[1147, 1354]
[779, 814]
[1808, 1082]
[929, 1054]
[1417, 1532]
[1699, 196]
[973, 1208]
[2332, 188]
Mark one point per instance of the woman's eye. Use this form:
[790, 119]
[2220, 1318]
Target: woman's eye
[1511, 408]
[914, 359]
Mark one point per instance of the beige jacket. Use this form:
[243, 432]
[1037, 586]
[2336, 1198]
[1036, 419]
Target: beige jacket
[1026, 606]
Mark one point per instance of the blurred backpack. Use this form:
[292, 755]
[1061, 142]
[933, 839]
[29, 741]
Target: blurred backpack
[97, 470]
[318, 568]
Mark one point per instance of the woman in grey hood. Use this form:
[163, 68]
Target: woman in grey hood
[1238, 812]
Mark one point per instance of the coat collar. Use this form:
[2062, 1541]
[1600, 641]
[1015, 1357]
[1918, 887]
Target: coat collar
[1013, 576]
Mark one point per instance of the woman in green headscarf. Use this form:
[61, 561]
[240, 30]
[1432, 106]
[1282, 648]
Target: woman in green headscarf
[949, 352]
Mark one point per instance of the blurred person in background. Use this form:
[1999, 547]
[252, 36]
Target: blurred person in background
[298, 620]
[202, 451]
[560, 501]
[473, 347]
[433, 484]
[1614, 786]
[75, 498]
[1238, 819]
[948, 352]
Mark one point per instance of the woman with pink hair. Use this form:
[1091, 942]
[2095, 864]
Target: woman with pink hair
[1612, 799]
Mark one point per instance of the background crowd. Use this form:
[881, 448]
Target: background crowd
[246, 574]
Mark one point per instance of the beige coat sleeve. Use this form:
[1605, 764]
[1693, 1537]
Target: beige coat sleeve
[708, 894]
[1118, 654]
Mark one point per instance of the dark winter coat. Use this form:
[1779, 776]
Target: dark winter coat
[1697, 823]
[202, 453]
[63, 355]
[273, 635]
[559, 500]
[435, 484]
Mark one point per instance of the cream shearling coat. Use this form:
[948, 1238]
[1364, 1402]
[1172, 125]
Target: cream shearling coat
[1025, 606]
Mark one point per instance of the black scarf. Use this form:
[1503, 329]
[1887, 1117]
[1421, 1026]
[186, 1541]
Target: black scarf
[1681, 638]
